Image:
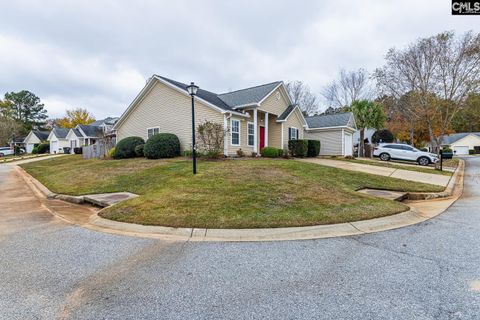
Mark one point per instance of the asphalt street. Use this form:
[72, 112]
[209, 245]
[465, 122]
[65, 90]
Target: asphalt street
[53, 270]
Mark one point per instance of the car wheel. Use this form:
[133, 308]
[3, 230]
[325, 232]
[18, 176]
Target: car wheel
[384, 157]
[423, 161]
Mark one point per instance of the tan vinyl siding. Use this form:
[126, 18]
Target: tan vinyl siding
[169, 110]
[273, 104]
[295, 121]
[275, 133]
[232, 149]
[330, 141]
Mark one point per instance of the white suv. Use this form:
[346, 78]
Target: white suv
[396, 151]
[6, 151]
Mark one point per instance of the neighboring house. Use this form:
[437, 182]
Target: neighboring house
[461, 143]
[335, 132]
[83, 135]
[34, 138]
[254, 117]
[58, 140]
[106, 124]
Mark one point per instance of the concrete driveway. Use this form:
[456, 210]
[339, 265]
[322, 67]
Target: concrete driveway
[416, 176]
[52, 270]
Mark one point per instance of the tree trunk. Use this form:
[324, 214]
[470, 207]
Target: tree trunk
[361, 145]
[412, 136]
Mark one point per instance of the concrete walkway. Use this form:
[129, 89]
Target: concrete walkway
[430, 178]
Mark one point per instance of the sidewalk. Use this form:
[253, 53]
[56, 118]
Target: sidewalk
[430, 178]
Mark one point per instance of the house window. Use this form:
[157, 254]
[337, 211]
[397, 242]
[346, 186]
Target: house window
[152, 131]
[235, 128]
[251, 134]
[292, 133]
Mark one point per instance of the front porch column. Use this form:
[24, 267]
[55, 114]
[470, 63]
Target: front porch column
[255, 133]
[266, 129]
[225, 136]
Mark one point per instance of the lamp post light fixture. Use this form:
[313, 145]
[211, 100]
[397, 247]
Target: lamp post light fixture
[192, 91]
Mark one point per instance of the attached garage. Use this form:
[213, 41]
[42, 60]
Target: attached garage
[58, 140]
[335, 132]
[34, 138]
[462, 143]
[460, 150]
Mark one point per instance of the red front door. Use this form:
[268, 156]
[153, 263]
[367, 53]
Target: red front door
[262, 138]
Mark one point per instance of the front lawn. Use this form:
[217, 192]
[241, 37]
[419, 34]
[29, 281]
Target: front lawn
[246, 193]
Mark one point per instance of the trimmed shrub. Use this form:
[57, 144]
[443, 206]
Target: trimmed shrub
[139, 150]
[447, 149]
[383, 135]
[162, 145]
[35, 150]
[271, 152]
[41, 148]
[313, 148]
[78, 150]
[298, 148]
[240, 153]
[111, 152]
[471, 151]
[126, 147]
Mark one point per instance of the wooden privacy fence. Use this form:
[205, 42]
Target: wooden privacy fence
[97, 150]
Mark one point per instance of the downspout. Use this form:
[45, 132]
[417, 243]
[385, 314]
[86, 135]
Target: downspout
[225, 129]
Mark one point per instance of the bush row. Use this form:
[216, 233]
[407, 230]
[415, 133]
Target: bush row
[304, 148]
[161, 145]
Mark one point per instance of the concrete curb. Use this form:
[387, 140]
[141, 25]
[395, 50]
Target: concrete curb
[452, 185]
[403, 219]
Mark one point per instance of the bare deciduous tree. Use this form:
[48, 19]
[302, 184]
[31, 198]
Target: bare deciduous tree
[300, 94]
[8, 127]
[350, 86]
[439, 72]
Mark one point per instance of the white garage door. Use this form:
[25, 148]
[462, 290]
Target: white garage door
[460, 150]
[54, 147]
[348, 144]
[29, 147]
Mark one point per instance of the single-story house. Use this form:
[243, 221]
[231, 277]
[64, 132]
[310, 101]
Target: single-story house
[83, 135]
[335, 132]
[253, 118]
[34, 138]
[461, 143]
[58, 140]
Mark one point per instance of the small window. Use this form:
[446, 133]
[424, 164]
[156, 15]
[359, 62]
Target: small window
[292, 134]
[251, 134]
[152, 131]
[235, 128]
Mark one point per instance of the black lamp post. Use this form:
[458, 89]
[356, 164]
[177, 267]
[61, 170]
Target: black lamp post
[192, 91]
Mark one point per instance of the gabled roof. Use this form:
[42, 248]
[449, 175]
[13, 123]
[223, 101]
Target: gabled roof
[248, 96]
[77, 133]
[329, 120]
[90, 131]
[204, 94]
[287, 112]
[107, 121]
[60, 133]
[452, 138]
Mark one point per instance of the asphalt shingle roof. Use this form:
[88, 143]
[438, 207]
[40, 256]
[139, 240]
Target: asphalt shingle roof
[60, 133]
[287, 111]
[329, 120]
[41, 135]
[91, 131]
[452, 138]
[109, 120]
[230, 100]
[249, 95]
[204, 94]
